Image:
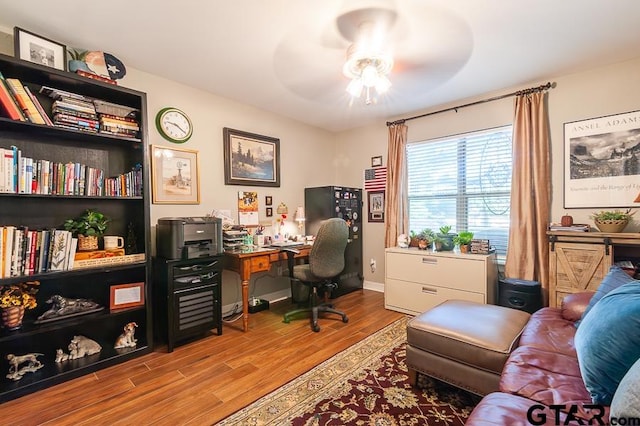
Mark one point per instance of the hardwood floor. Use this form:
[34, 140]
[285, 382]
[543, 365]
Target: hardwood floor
[204, 381]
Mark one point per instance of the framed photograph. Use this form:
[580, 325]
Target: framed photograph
[250, 159]
[376, 161]
[40, 50]
[125, 296]
[376, 206]
[602, 162]
[268, 200]
[269, 211]
[175, 175]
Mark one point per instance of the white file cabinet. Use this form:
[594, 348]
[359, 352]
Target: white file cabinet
[417, 280]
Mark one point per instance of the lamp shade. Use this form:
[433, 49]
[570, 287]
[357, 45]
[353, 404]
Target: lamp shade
[282, 209]
[300, 214]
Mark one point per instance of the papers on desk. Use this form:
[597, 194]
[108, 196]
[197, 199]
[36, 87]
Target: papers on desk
[286, 243]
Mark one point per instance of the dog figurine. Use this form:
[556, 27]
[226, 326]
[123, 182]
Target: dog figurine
[126, 339]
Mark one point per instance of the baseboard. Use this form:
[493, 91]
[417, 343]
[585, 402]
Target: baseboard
[371, 285]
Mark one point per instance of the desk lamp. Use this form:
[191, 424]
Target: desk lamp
[299, 216]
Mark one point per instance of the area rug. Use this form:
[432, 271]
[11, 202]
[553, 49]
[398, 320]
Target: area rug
[366, 384]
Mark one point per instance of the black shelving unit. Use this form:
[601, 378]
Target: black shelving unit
[188, 298]
[115, 155]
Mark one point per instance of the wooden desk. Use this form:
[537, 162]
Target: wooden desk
[245, 262]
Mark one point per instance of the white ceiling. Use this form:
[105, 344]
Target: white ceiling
[286, 56]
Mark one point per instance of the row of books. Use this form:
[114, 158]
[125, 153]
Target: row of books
[24, 175]
[19, 103]
[68, 110]
[25, 251]
[78, 112]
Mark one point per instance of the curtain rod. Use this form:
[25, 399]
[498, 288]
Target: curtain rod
[547, 86]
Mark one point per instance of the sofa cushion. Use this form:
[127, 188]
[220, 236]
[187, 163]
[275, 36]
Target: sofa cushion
[575, 304]
[626, 401]
[545, 377]
[505, 409]
[615, 278]
[549, 330]
[608, 341]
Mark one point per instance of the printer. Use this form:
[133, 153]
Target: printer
[188, 237]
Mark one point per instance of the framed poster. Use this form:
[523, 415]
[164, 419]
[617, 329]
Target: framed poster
[602, 162]
[376, 206]
[39, 50]
[250, 159]
[175, 175]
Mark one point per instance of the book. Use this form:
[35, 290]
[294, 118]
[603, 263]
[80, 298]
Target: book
[8, 103]
[59, 249]
[576, 227]
[39, 107]
[24, 101]
[7, 234]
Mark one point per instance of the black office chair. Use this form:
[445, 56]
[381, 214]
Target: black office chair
[326, 262]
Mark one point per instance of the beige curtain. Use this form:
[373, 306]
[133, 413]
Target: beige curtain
[395, 210]
[527, 255]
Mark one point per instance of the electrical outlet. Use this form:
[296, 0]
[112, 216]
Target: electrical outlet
[373, 264]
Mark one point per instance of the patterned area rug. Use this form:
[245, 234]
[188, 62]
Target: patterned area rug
[366, 384]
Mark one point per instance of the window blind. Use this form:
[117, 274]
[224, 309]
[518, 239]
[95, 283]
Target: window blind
[463, 181]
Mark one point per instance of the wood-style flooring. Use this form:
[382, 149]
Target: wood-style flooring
[203, 381]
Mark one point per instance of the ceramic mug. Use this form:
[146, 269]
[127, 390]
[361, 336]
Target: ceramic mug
[112, 242]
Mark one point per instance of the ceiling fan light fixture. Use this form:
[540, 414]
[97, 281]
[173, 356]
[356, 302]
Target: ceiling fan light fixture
[354, 88]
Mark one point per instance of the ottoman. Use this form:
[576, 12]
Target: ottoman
[463, 343]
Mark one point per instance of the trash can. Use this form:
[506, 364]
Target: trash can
[519, 294]
[299, 292]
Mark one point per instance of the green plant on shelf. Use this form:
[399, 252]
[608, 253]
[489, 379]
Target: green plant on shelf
[90, 223]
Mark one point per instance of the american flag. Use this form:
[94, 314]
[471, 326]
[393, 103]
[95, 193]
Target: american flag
[375, 179]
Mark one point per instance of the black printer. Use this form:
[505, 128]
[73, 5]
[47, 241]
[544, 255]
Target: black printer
[188, 237]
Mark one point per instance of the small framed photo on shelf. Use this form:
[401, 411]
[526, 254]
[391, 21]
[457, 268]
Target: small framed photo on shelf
[175, 175]
[376, 161]
[269, 211]
[376, 206]
[125, 296]
[39, 50]
[268, 200]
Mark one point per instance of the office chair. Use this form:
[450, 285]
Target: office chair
[326, 262]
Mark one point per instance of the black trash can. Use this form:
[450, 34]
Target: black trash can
[520, 294]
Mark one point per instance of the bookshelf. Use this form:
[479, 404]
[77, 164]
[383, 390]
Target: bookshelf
[115, 154]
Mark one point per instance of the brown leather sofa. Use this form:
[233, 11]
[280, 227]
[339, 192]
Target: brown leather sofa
[542, 374]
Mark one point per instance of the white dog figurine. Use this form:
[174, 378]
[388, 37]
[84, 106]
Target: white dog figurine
[126, 339]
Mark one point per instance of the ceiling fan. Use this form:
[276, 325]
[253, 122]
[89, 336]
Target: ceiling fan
[371, 46]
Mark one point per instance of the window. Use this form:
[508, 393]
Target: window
[463, 181]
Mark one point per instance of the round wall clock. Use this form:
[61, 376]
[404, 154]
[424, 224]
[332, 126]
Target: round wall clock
[174, 125]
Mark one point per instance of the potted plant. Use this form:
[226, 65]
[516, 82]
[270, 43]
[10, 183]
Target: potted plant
[88, 227]
[446, 238]
[424, 238]
[77, 61]
[462, 240]
[612, 220]
[14, 299]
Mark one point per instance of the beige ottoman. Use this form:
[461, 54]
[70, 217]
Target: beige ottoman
[463, 343]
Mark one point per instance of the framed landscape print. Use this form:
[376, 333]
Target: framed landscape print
[40, 50]
[175, 175]
[602, 162]
[250, 159]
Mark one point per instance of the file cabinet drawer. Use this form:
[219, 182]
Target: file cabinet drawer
[414, 298]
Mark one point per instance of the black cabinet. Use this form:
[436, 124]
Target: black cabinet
[187, 298]
[114, 154]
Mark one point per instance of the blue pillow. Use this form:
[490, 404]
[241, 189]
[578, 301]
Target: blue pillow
[608, 341]
[615, 278]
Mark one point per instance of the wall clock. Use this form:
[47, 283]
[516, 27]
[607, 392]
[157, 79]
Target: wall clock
[174, 125]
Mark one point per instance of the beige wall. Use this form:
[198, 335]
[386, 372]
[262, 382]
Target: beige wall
[602, 91]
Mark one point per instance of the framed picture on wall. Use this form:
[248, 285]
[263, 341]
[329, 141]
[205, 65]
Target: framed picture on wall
[601, 167]
[175, 174]
[376, 206]
[250, 159]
